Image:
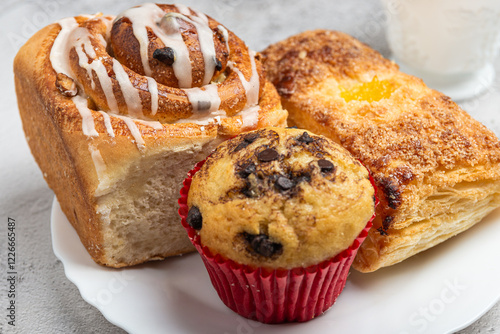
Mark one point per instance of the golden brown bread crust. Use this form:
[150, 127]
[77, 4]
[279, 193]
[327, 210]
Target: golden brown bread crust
[417, 143]
[45, 136]
[82, 170]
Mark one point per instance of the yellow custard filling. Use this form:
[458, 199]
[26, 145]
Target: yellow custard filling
[372, 91]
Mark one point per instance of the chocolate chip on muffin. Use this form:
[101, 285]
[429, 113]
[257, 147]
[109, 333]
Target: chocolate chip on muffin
[247, 169]
[284, 183]
[325, 165]
[194, 218]
[251, 137]
[249, 191]
[305, 138]
[262, 245]
[269, 154]
[241, 146]
[247, 140]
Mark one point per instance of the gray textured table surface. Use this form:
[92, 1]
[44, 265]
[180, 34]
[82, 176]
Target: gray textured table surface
[46, 302]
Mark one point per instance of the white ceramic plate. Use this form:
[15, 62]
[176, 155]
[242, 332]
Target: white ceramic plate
[439, 291]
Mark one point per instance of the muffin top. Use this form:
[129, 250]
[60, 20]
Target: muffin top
[280, 198]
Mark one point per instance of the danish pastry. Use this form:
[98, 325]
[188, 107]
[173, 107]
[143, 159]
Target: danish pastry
[437, 169]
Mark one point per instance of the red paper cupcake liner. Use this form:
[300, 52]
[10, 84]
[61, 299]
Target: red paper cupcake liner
[273, 296]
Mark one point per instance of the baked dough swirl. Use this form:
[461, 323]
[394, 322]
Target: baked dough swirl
[161, 63]
[117, 110]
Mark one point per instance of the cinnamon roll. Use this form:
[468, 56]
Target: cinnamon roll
[117, 109]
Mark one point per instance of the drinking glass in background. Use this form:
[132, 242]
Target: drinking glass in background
[450, 44]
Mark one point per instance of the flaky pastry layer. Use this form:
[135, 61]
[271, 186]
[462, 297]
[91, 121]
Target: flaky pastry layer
[436, 168]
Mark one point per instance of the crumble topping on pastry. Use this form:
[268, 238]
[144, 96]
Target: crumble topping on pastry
[436, 168]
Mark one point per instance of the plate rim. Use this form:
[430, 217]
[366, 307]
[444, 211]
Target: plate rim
[56, 213]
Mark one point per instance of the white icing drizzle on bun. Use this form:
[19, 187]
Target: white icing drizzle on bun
[251, 86]
[205, 100]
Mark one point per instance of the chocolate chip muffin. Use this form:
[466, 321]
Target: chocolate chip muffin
[279, 198]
